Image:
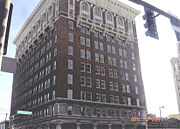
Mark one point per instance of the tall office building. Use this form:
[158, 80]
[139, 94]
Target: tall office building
[78, 67]
[175, 62]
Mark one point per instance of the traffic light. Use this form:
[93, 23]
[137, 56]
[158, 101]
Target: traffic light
[150, 23]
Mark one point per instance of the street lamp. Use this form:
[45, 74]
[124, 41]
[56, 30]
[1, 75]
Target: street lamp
[160, 114]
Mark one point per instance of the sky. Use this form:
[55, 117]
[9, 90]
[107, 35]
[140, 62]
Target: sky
[155, 57]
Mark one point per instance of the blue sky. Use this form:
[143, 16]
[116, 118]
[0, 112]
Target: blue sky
[155, 56]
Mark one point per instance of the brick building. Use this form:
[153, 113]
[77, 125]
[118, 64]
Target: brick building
[78, 67]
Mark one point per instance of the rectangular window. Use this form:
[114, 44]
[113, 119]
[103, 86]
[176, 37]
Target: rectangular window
[103, 97]
[70, 64]
[55, 51]
[102, 71]
[115, 73]
[116, 99]
[121, 63]
[132, 45]
[101, 46]
[54, 79]
[129, 101]
[127, 76]
[109, 61]
[88, 42]
[71, 25]
[82, 29]
[70, 50]
[96, 34]
[82, 40]
[96, 45]
[98, 97]
[82, 67]
[70, 79]
[83, 81]
[100, 35]
[83, 54]
[111, 73]
[97, 70]
[120, 52]
[70, 37]
[87, 31]
[116, 87]
[133, 55]
[69, 94]
[88, 68]
[128, 88]
[125, 64]
[134, 66]
[125, 100]
[125, 53]
[136, 90]
[103, 84]
[111, 87]
[114, 62]
[89, 96]
[96, 57]
[88, 81]
[102, 59]
[88, 55]
[137, 101]
[135, 77]
[108, 48]
[113, 50]
[123, 88]
[98, 83]
[83, 95]
[111, 98]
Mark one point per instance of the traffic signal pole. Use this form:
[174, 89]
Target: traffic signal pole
[174, 20]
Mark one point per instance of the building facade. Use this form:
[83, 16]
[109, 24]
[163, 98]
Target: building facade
[78, 67]
[175, 62]
[4, 125]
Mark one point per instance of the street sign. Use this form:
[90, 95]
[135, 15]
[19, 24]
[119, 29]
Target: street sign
[24, 112]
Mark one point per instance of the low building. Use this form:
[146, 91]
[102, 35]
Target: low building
[4, 125]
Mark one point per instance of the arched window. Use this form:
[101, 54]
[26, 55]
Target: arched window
[120, 21]
[97, 11]
[109, 16]
[85, 7]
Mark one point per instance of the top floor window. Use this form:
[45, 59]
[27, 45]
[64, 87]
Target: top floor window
[97, 11]
[85, 7]
[109, 16]
[71, 2]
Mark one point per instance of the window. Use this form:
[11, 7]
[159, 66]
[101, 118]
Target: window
[70, 37]
[88, 81]
[88, 68]
[135, 78]
[54, 65]
[70, 64]
[96, 45]
[82, 67]
[116, 87]
[97, 70]
[125, 64]
[53, 94]
[88, 55]
[125, 53]
[54, 80]
[82, 29]
[89, 96]
[125, 100]
[138, 102]
[101, 46]
[111, 87]
[129, 101]
[120, 52]
[136, 90]
[98, 97]
[98, 83]
[85, 7]
[111, 73]
[55, 51]
[101, 58]
[109, 16]
[87, 31]
[100, 35]
[111, 98]
[103, 97]
[71, 25]
[114, 62]
[133, 55]
[97, 11]
[120, 21]
[70, 79]
[127, 76]
[115, 73]
[83, 53]
[83, 81]
[82, 40]
[96, 34]
[102, 71]
[109, 61]
[83, 95]
[121, 63]
[70, 50]
[69, 94]
[96, 57]
[88, 42]
[116, 99]
[71, 2]
[128, 89]
[108, 48]
[113, 50]
[132, 45]
[103, 84]
[123, 88]
[134, 66]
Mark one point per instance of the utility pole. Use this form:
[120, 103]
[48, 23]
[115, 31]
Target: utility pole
[174, 20]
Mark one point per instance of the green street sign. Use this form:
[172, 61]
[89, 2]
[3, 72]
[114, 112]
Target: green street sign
[24, 112]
